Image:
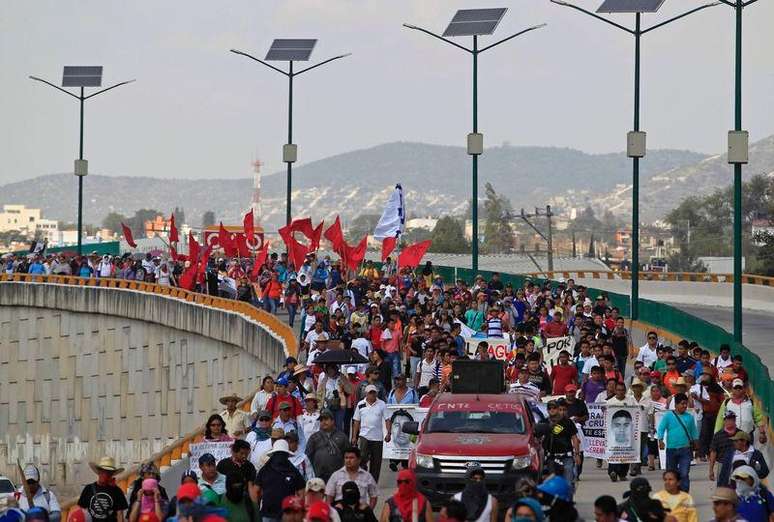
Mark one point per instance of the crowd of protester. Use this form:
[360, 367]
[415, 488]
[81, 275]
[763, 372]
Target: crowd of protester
[310, 446]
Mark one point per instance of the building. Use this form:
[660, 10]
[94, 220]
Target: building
[20, 218]
[47, 229]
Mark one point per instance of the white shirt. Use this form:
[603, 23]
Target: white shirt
[310, 423]
[44, 498]
[720, 364]
[312, 338]
[258, 449]
[259, 401]
[589, 364]
[427, 370]
[647, 355]
[371, 417]
[364, 348]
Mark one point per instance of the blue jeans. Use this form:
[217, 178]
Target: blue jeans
[393, 359]
[270, 305]
[291, 313]
[679, 459]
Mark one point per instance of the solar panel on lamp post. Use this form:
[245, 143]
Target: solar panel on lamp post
[290, 50]
[81, 77]
[738, 148]
[475, 23]
[635, 148]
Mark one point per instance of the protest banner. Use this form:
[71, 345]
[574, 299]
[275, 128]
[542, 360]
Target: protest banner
[594, 432]
[219, 450]
[401, 444]
[622, 435]
[498, 347]
[553, 346]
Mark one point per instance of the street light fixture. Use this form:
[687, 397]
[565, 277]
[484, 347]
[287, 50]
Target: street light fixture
[738, 148]
[635, 139]
[290, 50]
[475, 23]
[81, 77]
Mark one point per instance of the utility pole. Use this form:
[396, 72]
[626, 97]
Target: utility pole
[547, 237]
[574, 251]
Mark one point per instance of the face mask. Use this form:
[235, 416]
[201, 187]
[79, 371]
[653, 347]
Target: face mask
[351, 497]
[743, 489]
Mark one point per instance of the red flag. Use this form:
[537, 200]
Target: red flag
[260, 259]
[412, 254]
[388, 245]
[356, 254]
[315, 238]
[193, 248]
[229, 246]
[249, 226]
[296, 251]
[304, 226]
[173, 237]
[335, 235]
[188, 277]
[128, 236]
[175, 256]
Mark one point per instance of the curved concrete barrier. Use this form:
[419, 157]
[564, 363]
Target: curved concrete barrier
[92, 367]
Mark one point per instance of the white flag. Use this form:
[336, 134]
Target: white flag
[393, 218]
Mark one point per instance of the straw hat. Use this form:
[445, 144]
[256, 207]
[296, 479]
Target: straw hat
[232, 397]
[105, 464]
[300, 369]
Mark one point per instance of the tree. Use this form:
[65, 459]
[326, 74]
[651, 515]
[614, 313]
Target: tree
[137, 222]
[360, 226]
[208, 218]
[415, 235]
[448, 236]
[179, 214]
[113, 222]
[498, 235]
[684, 261]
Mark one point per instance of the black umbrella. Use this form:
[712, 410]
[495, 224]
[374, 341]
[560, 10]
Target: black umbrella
[340, 357]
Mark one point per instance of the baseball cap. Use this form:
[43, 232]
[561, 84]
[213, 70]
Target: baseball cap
[264, 414]
[655, 374]
[326, 413]
[322, 511]
[741, 435]
[725, 495]
[371, 388]
[639, 485]
[284, 406]
[188, 491]
[571, 388]
[737, 382]
[31, 473]
[729, 415]
[315, 484]
[351, 370]
[292, 503]
[291, 435]
[207, 458]
[282, 381]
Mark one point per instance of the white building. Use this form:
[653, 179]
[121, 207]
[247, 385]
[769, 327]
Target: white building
[19, 217]
[47, 229]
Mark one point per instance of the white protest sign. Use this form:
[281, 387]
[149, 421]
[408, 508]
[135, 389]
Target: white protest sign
[594, 432]
[553, 346]
[623, 435]
[219, 450]
[401, 444]
[497, 347]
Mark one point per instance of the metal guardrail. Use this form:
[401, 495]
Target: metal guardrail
[691, 277]
[180, 447]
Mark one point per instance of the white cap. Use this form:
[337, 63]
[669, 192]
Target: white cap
[737, 382]
[351, 370]
[280, 445]
[371, 388]
[31, 473]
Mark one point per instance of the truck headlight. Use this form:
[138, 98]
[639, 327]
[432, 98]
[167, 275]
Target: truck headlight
[521, 462]
[424, 461]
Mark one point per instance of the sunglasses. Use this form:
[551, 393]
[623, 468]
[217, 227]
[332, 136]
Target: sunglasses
[652, 338]
[266, 419]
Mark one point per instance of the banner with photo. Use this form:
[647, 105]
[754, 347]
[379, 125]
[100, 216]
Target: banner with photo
[498, 347]
[594, 432]
[622, 435]
[553, 346]
[401, 444]
[219, 450]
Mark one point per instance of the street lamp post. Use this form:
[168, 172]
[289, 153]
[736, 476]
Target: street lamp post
[475, 23]
[738, 152]
[635, 142]
[81, 77]
[289, 50]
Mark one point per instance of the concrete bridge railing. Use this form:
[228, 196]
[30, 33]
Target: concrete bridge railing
[91, 367]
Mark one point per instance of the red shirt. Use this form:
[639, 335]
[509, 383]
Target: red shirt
[376, 337]
[553, 329]
[274, 403]
[562, 376]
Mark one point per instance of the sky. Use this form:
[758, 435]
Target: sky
[198, 111]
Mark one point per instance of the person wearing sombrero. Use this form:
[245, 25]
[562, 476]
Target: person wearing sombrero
[103, 500]
[237, 421]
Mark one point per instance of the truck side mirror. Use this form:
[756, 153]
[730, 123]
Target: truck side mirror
[411, 428]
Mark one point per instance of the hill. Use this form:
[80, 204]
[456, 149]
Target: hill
[436, 179]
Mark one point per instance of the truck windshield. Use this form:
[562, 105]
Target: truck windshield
[6, 486]
[475, 422]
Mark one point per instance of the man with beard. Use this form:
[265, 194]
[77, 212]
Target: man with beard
[241, 502]
[480, 505]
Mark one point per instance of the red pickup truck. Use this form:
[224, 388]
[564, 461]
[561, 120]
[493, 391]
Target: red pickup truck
[460, 431]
